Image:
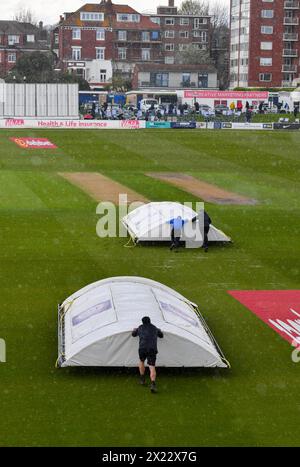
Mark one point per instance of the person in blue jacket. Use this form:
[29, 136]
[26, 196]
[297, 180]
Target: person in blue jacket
[176, 232]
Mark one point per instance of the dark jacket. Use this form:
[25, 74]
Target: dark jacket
[207, 220]
[148, 334]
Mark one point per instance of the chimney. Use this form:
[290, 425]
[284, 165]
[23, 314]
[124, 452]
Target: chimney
[41, 25]
[171, 3]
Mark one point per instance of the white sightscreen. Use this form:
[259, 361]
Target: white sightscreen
[2, 98]
[41, 100]
[20, 100]
[73, 100]
[62, 100]
[52, 100]
[30, 106]
[9, 107]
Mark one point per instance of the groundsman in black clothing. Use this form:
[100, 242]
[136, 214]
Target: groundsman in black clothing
[148, 334]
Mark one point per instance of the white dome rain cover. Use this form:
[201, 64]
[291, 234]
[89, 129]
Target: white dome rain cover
[95, 326]
[151, 222]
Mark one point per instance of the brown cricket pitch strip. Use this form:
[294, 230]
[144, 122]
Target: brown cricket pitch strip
[206, 191]
[101, 188]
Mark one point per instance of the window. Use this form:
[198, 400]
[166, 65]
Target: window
[199, 21]
[154, 35]
[146, 54]
[169, 60]
[76, 53]
[56, 38]
[169, 34]
[76, 33]
[202, 80]
[91, 16]
[159, 79]
[124, 17]
[12, 40]
[100, 53]
[267, 30]
[122, 35]
[184, 34]
[266, 61]
[186, 79]
[169, 47]
[155, 19]
[121, 53]
[265, 76]
[266, 45]
[184, 21]
[102, 76]
[30, 38]
[183, 47]
[11, 58]
[145, 36]
[203, 36]
[169, 21]
[100, 34]
[267, 13]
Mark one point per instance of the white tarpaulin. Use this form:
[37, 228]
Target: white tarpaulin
[95, 326]
[151, 222]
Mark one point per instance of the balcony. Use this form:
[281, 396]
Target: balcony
[287, 21]
[290, 36]
[287, 84]
[290, 53]
[291, 5]
[289, 68]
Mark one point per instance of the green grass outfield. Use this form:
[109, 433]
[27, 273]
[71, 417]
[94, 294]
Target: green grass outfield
[49, 249]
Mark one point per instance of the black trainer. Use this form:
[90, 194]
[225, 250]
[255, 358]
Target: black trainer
[142, 380]
[153, 388]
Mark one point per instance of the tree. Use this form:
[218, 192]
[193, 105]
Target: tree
[194, 7]
[25, 15]
[220, 40]
[37, 67]
[193, 56]
[219, 15]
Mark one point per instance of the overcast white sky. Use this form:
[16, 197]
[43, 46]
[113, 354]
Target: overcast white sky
[49, 10]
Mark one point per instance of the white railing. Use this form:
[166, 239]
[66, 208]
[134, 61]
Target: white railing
[290, 53]
[290, 36]
[289, 68]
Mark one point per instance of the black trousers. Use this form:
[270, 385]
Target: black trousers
[175, 240]
[205, 240]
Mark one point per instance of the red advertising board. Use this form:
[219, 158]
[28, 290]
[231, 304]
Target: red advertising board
[279, 309]
[251, 95]
[34, 143]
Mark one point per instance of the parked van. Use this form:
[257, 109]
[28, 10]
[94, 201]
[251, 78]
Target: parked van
[146, 104]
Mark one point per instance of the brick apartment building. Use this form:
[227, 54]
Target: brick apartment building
[19, 38]
[102, 38]
[264, 50]
[180, 31]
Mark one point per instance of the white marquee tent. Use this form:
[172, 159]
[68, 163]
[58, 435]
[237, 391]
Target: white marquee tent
[95, 326]
[151, 222]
